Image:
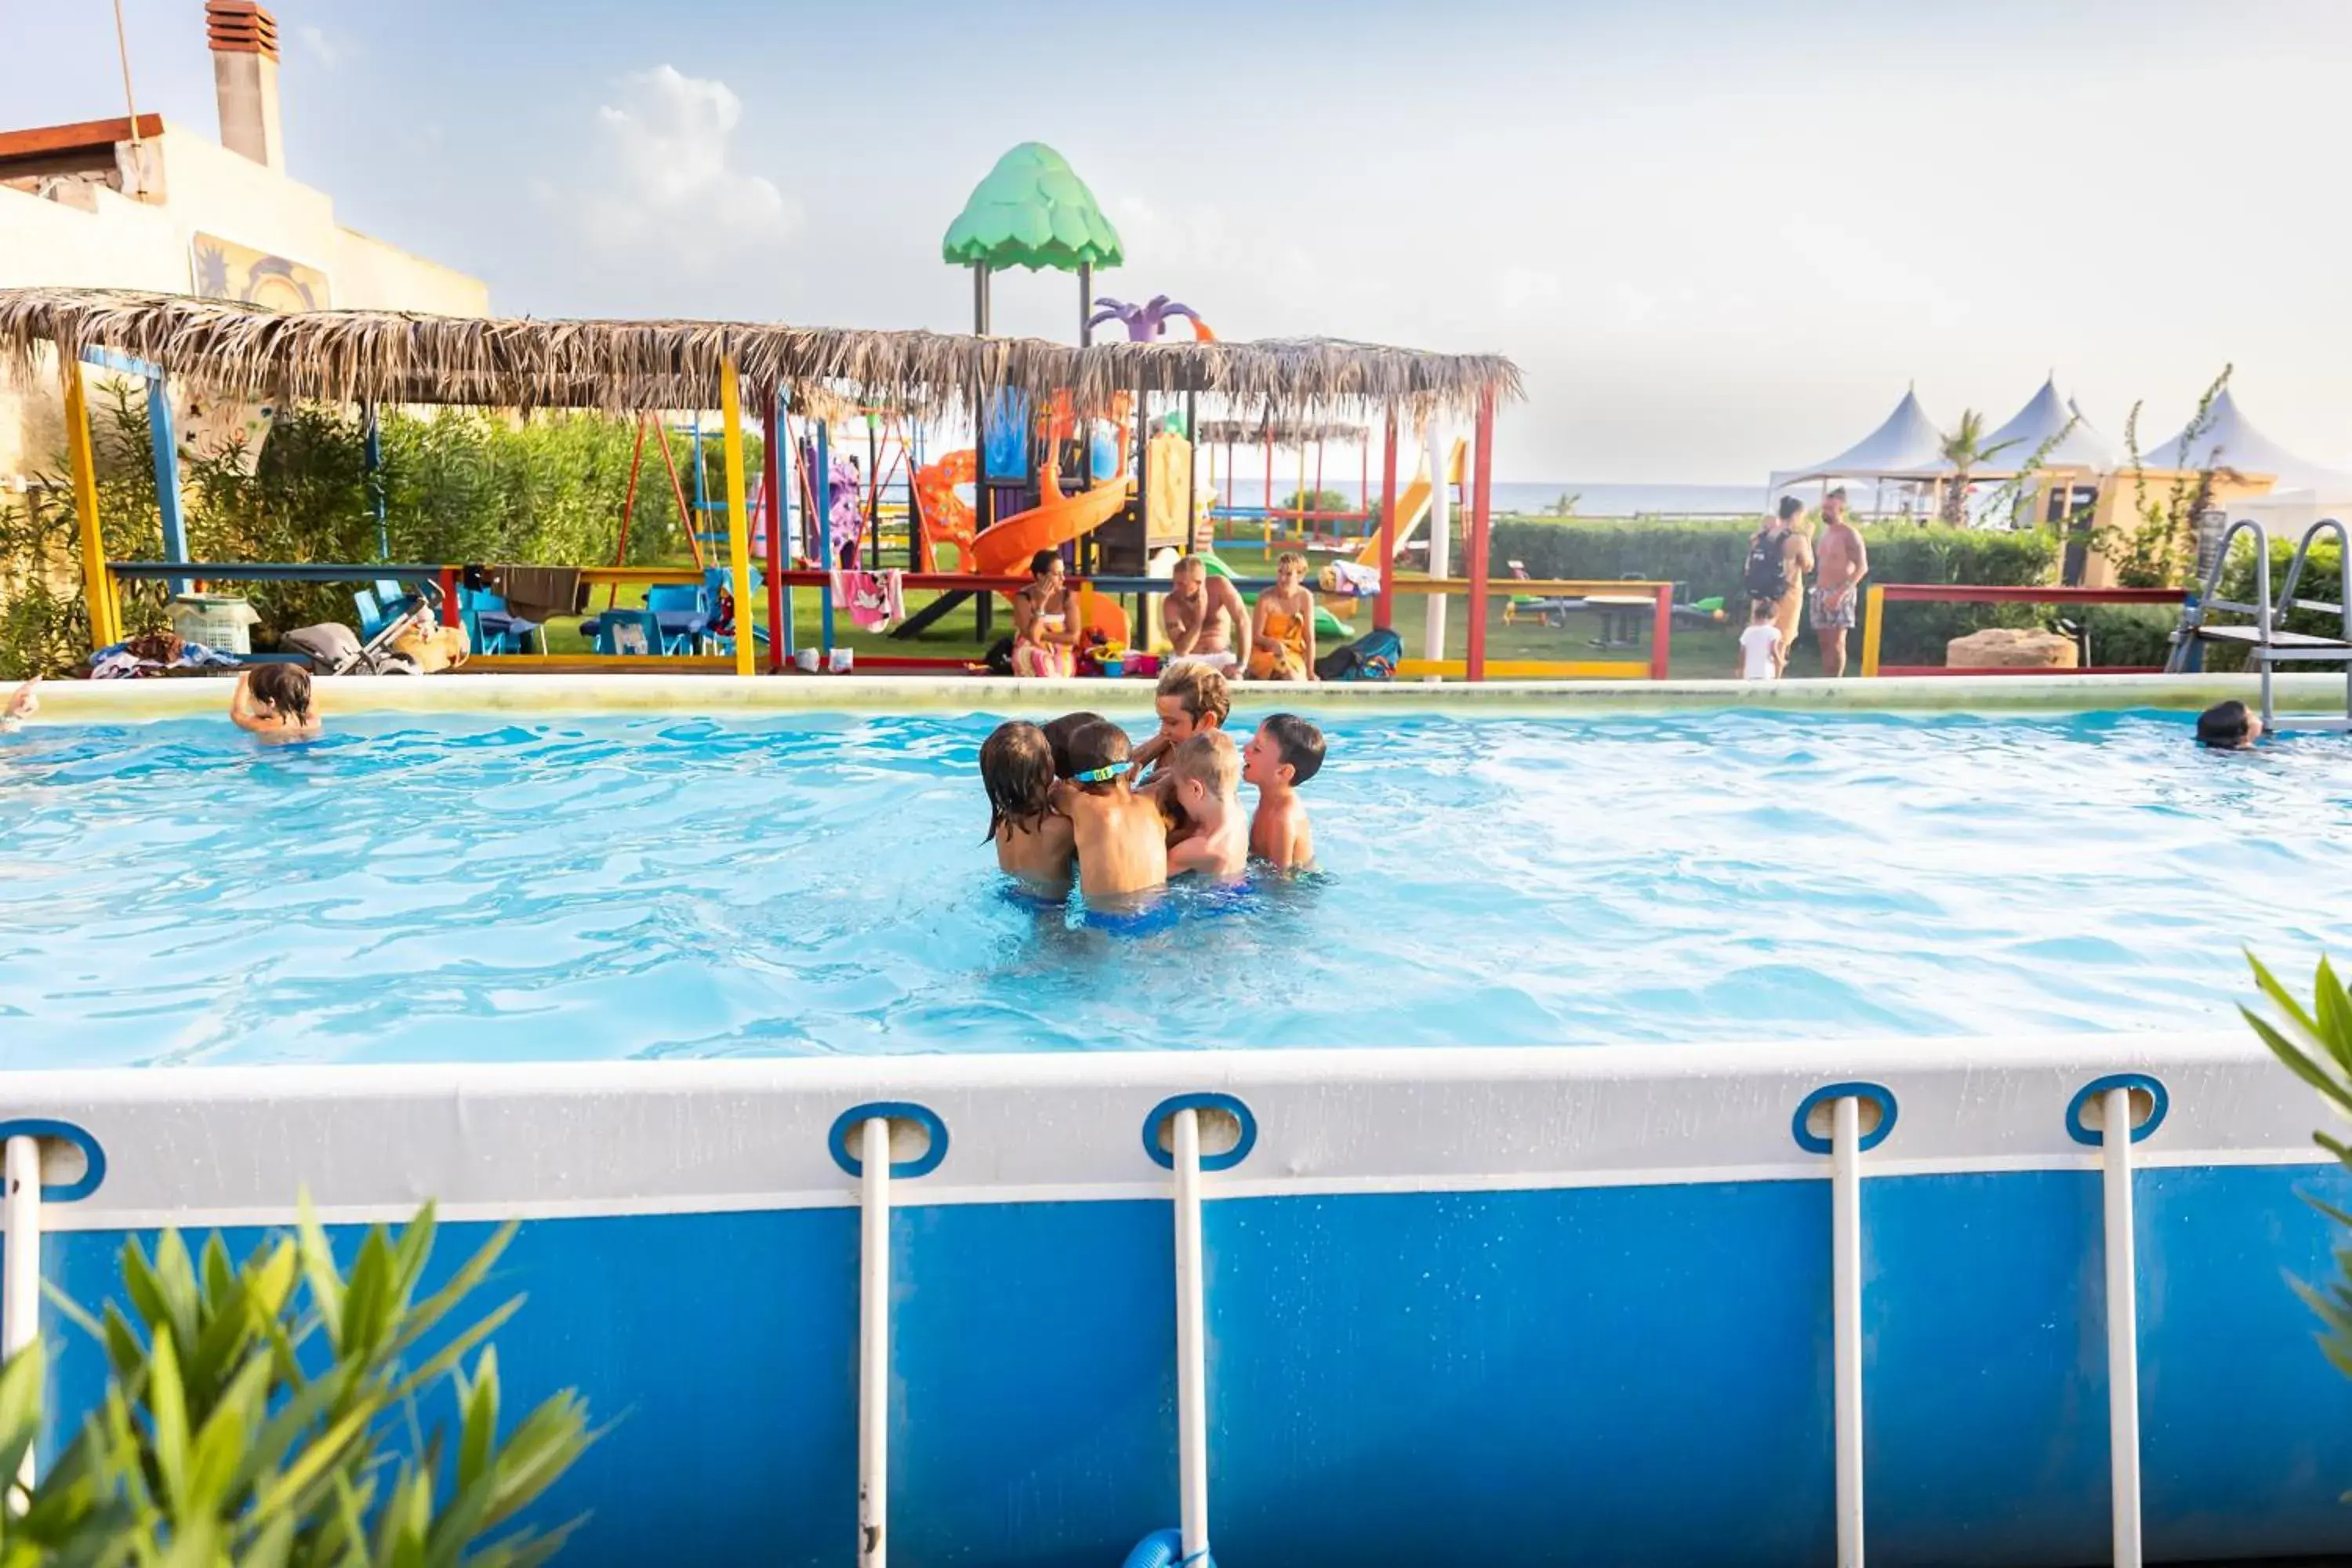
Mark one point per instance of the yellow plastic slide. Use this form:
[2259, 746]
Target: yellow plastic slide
[1005, 550]
[1412, 508]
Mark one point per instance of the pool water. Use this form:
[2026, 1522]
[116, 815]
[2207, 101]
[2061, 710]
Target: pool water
[476, 889]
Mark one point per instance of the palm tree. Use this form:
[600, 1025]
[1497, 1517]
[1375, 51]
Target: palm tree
[1964, 448]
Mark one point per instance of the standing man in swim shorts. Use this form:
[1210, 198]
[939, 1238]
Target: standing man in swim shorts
[1203, 614]
[1843, 561]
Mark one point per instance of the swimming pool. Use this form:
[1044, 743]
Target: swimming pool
[479, 887]
[1560, 1270]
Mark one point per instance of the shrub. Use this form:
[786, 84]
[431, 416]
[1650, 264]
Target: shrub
[279, 1412]
[1711, 558]
[459, 486]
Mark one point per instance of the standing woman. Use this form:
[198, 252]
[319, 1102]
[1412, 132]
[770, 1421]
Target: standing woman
[1044, 620]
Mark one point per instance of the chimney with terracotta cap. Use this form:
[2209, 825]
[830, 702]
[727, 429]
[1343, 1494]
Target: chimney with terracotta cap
[244, 38]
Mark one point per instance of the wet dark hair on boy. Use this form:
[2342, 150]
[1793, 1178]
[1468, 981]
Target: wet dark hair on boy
[1297, 743]
[1058, 733]
[1101, 744]
[285, 687]
[1016, 768]
[2223, 725]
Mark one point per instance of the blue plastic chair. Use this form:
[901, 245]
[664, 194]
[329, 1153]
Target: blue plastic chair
[610, 624]
[679, 599]
[374, 618]
[491, 627]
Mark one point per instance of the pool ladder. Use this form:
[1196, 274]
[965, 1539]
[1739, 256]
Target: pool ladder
[2267, 642]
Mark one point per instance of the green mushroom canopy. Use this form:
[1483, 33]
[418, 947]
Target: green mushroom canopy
[1031, 211]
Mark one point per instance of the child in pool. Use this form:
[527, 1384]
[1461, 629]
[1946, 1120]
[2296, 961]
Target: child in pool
[1032, 840]
[1057, 736]
[23, 704]
[1282, 640]
[1190, 698]
[1122, 843]
[274, 701]
[1285, 753]
[2229, 726]
[1203, 775]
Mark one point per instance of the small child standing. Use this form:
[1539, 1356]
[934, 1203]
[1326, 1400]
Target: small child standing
[274, 701]
[1121, 842]
[1034, 842]
[1762, 654]
[1204, 775]
[1285, 753]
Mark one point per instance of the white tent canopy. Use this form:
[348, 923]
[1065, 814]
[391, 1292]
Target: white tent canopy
[2230, 440]
[2008, 448]
[2045, 416]
[1905, 442]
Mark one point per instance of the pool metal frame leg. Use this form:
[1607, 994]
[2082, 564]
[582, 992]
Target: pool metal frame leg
[20, 1291]
[1191, 1358]
[873, 1343]
[1845, 1290]
[2123, 1325]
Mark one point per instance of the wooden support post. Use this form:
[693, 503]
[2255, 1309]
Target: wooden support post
[97, 582]
[1384, 607]
[1481, 506]
[739, 525]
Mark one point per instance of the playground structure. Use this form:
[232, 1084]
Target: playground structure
[1089, 451]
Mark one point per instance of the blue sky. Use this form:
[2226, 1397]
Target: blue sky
[1719, 238]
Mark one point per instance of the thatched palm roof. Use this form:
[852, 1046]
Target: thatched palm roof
[1280, 432]
[387, 356]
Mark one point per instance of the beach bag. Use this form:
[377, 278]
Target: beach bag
[1372, 657]
[1767, 568]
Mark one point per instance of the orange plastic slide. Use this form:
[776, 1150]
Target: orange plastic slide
[1005, 550]
[1412, 509]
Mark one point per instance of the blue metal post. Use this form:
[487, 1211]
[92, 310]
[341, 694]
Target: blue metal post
[375, 487]
[166, 448]
[821, 492]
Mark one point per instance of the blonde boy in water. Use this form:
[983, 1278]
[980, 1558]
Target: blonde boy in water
[1204, 775]
[1190, 698]
[1122, 840]
[1285, 753]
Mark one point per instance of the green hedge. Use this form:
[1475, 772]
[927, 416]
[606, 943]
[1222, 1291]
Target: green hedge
[1712, 557]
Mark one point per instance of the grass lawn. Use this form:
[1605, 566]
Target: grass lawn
[1698, 651]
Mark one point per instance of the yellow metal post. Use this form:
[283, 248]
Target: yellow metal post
[97, 582]
[1872, 615]
[739, 532]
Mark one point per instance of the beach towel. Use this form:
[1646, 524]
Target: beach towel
[541, 594]
[874, 602]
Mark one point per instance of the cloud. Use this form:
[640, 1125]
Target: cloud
[1520, 287]
[662, 171]
[331, 52]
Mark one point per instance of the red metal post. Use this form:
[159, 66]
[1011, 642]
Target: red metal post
[1384, 607]
[1480, 500]
[628, 508]
[771, 496]
[1662, 632]
[686, 511]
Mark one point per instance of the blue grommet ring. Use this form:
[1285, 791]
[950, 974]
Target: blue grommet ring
[1878, 1094]
[1225, 1102]
[846, 1123]
[93, 1157]
[2158, 1103]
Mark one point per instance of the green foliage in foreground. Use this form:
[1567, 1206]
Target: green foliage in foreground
[2316, 1042]
[254, 1416]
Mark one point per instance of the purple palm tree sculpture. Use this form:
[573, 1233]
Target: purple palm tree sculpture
[1145, 323]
